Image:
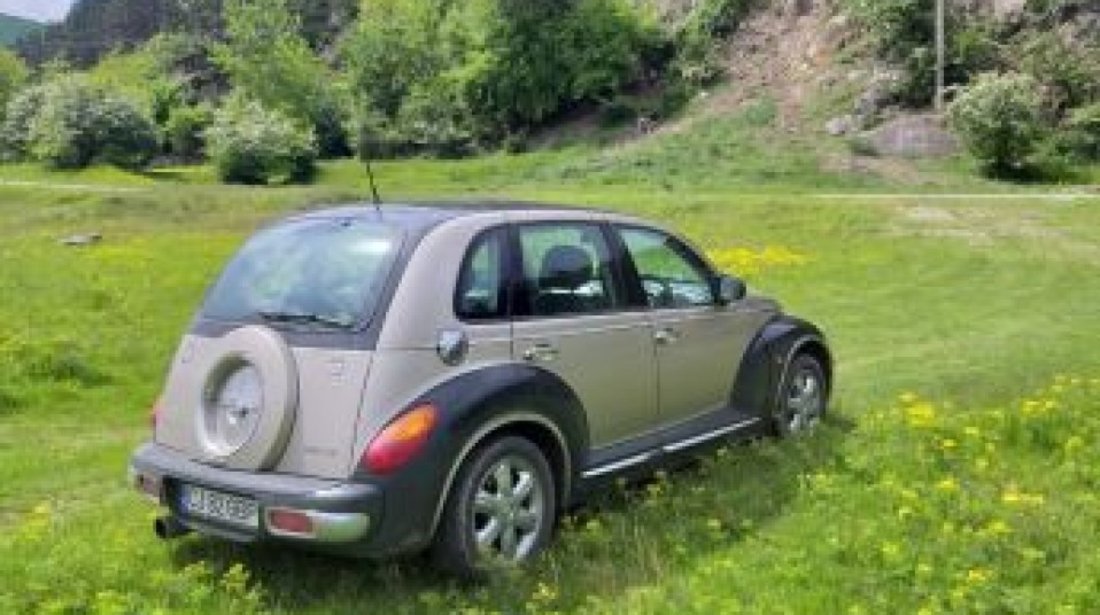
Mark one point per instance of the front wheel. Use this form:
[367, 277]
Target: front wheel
[802, 396]
[500, 511]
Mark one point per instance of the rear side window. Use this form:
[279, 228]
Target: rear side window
[482, 292]
[567, 269]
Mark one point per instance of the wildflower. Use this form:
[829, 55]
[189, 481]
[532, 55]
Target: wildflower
[890, 550]
[998, 527]
[921, 415]
[948, 484]
[1074, 443]
[1013, 496]
[977, 576]
[544, 593]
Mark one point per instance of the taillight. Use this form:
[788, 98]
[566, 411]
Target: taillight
[400, 441]
[290, 521]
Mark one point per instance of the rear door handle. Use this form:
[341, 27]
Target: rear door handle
[541, 351]
[666, 336]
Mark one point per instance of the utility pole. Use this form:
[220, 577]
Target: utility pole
[941, 53]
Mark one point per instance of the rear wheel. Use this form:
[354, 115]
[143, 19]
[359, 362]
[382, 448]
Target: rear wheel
[802, 396]
[501, 509]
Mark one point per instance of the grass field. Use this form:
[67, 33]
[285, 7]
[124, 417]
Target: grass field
[958, 472]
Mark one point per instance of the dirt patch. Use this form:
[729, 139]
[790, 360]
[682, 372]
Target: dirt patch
[983, 226]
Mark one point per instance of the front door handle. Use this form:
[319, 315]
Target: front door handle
[666, 336]
[541, 352]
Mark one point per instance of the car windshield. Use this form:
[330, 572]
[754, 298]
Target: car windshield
[326, 273]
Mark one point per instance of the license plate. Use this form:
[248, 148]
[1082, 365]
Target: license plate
[232, 509]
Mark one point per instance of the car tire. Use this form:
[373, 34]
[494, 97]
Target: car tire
[487, 523]
[802, 397]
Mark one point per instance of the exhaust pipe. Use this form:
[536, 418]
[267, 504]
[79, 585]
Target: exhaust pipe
[168, 527]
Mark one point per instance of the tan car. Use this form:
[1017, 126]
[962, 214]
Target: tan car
[378, 381]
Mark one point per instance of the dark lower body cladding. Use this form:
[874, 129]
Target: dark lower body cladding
[334, 516]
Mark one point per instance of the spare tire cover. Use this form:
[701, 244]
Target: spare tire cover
[249, 399]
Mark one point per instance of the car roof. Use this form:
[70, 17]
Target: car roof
[423, 216]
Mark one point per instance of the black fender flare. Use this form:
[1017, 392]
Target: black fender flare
[765, 362]
[473, 406]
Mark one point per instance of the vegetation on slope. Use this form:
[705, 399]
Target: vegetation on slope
[13, 28]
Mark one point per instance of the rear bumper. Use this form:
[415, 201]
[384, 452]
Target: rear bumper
[344, 517]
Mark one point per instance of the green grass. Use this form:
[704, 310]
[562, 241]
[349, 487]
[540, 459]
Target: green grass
[964, 500]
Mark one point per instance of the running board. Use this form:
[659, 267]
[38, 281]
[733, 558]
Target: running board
[673, 447]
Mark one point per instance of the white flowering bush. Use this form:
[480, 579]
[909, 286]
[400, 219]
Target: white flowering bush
[1000, 120]
[250, 144]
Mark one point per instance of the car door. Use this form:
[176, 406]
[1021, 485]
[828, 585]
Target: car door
[699, 343]
[571, 318]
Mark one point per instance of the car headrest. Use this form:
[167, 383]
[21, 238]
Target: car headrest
[566, 268]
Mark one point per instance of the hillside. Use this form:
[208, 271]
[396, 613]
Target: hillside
[95, 27]
[13, 28]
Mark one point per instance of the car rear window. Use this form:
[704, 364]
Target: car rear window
[311, 272]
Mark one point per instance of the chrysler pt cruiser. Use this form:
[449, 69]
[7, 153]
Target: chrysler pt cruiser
[374, 381]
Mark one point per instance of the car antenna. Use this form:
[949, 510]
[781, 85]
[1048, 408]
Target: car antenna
[377, 200]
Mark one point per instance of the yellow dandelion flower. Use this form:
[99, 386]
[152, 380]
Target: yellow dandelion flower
[1014, 497]
[977, 576]
[948, 484]
[921, 415]
[998, 527]
[1074, 443]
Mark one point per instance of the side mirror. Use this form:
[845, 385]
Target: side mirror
[729, 289]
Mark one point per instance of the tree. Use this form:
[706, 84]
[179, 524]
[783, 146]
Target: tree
[13, 74]
[268, 60]
[446, 77]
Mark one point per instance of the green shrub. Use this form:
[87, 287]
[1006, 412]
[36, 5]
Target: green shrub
[250, 144]
[903, 32]
[897, 26]
[1000, 120]
[183, 132]
[1069, 71]
[698, 57]
[13, 74]
[1080, 135]
[77, 124]
[18, 116]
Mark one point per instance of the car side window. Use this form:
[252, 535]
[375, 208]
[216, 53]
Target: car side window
[671, 275]
[482, 293]
[567, 269]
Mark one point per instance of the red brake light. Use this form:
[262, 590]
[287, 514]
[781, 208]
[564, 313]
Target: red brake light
[400, 441]
[288, 521]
